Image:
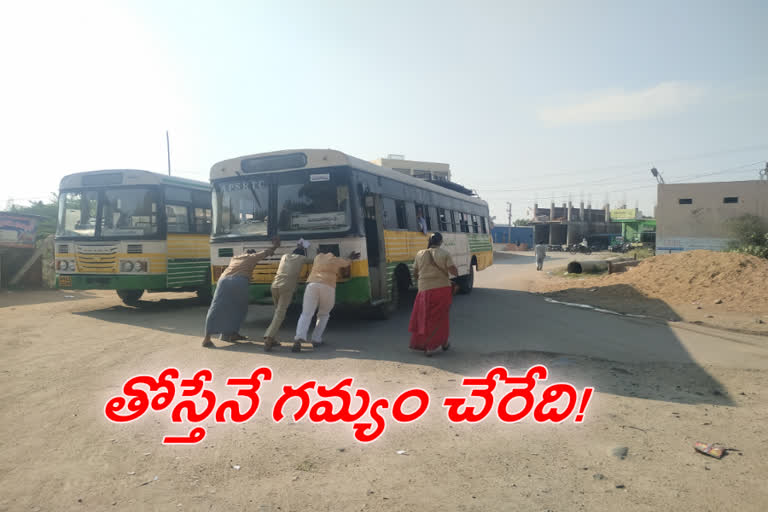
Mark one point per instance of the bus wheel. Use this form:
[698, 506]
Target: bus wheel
[384, 311]
[204, 295]
[130, 297]
[467, 282]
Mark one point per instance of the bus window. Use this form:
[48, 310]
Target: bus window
[482, 225]
[203, 220]
[177, 218]
[454, 221]
[129, 212]
[402, 218]
[243, 208]
[463, 223]
[201, 201]
[313, 203]
[475, 225]
[77, 213]
[442, 219]
[389, 213]
[422, 212]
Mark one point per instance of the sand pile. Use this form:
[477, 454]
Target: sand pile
[740, 281]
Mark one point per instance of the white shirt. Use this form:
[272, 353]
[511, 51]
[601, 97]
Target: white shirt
[423, 225]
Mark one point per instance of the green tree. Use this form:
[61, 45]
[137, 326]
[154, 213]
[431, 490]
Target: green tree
[522, 222]
[750, 234]
[47, 210]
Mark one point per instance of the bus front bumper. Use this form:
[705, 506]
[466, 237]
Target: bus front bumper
[110, 282]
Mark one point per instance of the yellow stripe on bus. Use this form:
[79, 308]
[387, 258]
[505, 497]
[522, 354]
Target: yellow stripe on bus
[188, 246]
[403, 245]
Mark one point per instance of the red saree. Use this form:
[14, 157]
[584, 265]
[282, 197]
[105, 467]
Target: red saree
[430, 321]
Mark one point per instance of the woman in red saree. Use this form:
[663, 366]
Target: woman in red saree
[430, 321]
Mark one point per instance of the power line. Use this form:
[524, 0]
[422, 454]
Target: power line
[612, 182]
[639, 165]
[677, 179]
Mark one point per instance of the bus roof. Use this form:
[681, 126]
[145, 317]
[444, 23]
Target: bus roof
[119, 177]
[319, 158]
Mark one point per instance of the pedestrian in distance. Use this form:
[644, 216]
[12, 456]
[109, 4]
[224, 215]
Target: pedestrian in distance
[541, 252]
[320, 296]
[430, 319]
[230, 301]
[283, 288]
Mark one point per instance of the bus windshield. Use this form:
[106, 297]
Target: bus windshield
[241, 208]
[312, 202]
[304, 202]
[119, 212]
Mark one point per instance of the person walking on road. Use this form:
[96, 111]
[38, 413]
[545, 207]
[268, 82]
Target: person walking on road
[283, 288]
[320, 296]
[230, 301]
[430, 318]
[541, 252]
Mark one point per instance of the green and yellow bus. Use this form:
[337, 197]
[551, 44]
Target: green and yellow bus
[344, 203]
[133, 231]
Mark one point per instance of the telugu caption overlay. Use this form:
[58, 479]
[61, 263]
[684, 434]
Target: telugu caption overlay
[342, 403]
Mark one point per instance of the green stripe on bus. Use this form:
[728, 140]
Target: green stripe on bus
[188, 271]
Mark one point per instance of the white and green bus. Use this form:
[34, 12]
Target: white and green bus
[346, 204]
[131, 231]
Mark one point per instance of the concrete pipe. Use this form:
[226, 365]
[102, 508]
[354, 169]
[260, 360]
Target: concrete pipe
[587, 267]
[622, 266]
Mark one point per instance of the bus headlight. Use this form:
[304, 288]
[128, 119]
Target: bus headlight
[134, 266]
[66, 265]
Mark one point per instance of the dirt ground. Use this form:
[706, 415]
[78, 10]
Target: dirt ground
[719, 290]
[659, 389]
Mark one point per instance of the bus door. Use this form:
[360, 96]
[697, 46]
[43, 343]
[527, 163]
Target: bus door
[374, 242]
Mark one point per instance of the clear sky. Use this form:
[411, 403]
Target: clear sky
[526, 100]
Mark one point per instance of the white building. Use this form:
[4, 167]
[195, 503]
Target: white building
[694, 215]
[424, 170]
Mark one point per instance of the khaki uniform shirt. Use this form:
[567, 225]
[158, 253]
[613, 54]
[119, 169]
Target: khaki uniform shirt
[325, 267]
[432, 272]
[244, 264]
[289, 270]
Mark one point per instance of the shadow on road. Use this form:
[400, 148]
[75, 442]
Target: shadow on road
[27, 297]
[490, 327]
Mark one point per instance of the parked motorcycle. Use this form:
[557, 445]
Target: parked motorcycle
[579, 249]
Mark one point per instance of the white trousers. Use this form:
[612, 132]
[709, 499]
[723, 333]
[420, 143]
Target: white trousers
[317, 297]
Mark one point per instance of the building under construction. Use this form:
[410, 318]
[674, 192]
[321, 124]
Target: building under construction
[566, 225]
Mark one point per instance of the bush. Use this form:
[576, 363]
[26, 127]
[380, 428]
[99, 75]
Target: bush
[750, 234]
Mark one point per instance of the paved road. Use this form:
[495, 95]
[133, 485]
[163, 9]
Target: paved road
[497, 317]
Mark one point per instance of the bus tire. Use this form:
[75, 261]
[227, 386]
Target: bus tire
[204, 295]
[130, 297]
[467, 282]
[400, 282]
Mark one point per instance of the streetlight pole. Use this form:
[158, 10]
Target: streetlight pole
[168, 148]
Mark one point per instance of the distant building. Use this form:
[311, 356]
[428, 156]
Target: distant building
[567, 225]
[516, 235]
[430, 171]
[694, 215]
[635, 227]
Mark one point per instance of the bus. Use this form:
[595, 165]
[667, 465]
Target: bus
[133, 231]
[345, 204]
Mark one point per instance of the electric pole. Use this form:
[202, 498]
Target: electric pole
[168, 148]
[509, 216]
